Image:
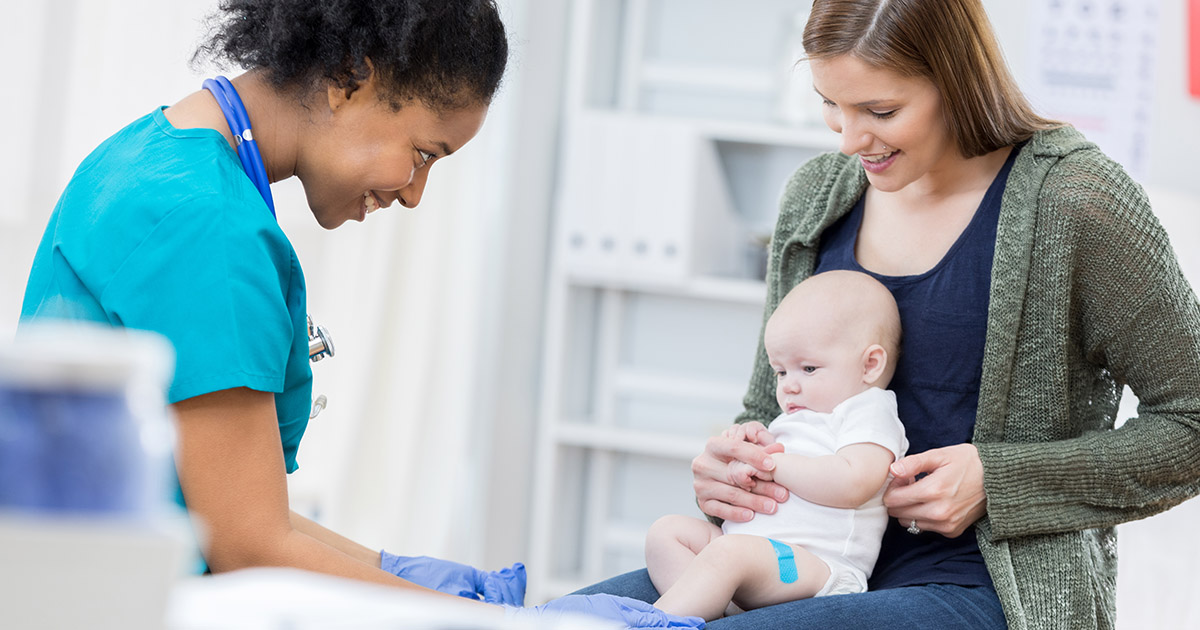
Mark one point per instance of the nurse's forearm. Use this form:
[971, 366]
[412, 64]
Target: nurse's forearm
[299, 550]
[231, 548]
[302, 551]
[295, 548]
[335, 540]
[231, 472]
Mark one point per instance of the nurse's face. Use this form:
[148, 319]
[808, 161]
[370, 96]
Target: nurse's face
[364, 156]
[893, 123]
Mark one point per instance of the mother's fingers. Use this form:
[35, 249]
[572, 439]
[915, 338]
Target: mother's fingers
[739, 451]
[727, 450]
[939, 470]
[726, 512]
[706, 467]
[772, 490]
[950, 496]
[729, 502]
[902, 493]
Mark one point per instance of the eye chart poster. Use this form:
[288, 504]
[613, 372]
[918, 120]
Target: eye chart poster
[1092, 65]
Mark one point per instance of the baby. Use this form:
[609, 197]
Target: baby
[833, 342]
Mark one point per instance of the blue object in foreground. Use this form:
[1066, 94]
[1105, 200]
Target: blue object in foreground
[84, 429]
[69, 451]
[506, 586]
[631, 612]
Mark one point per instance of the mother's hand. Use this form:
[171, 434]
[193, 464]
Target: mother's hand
[948, 499]
[737, 497]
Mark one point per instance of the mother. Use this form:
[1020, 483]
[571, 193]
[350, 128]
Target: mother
[1033, 283]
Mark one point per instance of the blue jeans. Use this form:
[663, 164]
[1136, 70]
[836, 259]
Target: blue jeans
[930, 607]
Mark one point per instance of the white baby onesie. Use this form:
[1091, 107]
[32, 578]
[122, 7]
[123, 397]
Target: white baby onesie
[846, 539]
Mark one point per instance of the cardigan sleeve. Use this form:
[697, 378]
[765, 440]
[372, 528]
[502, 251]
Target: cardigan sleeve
[1133, 319]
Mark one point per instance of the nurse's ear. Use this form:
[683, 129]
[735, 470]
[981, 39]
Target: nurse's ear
[361, 89]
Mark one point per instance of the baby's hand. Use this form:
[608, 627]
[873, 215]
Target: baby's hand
[740, 473]
[744, 475]
[737, 432]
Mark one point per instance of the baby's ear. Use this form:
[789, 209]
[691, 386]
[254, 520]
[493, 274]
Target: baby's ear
[875, 361]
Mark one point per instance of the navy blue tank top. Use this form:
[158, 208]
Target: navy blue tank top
[943, 313]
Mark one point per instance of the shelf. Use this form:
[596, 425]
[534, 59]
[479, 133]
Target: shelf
[736, 290]
[817, 136]
[655, 271]
[629, 441]
[729, 79]
[636, 381]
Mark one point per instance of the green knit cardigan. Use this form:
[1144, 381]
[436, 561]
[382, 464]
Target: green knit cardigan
[1086, 296]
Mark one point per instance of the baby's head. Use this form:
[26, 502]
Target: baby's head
[835, 335]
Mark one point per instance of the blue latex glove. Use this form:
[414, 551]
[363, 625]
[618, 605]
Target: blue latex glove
[506, 586]
[633, 613]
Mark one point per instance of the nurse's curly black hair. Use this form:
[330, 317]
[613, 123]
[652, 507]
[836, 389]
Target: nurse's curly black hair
[447, 54]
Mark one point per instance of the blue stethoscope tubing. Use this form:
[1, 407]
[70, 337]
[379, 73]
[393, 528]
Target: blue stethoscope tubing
[320, 343]
[239, 125]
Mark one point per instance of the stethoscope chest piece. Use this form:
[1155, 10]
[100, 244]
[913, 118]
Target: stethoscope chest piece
[320, 345]
[320, 342]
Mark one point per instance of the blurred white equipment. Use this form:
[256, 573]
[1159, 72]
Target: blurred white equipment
[271, 599]
[89, 536]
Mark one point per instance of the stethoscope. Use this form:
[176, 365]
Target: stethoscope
[320, 343]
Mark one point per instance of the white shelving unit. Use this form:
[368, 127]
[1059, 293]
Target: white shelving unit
[674, 157]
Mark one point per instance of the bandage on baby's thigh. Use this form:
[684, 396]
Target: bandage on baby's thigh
[787, 561]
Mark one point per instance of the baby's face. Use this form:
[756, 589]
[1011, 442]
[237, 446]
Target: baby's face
[816, 366]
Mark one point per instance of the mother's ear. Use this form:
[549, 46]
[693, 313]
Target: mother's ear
[874, 363]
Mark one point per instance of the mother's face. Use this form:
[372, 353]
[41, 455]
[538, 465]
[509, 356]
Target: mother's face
[363, 156]
[893, 123]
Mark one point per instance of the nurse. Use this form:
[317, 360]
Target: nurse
[163, 228]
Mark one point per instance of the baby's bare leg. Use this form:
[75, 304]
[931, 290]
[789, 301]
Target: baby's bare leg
[672, 543]
[743, 569]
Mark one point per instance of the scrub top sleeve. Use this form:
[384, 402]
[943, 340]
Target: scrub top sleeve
[211, 277]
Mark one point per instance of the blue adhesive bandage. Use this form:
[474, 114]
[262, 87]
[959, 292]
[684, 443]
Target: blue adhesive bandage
[787, 561]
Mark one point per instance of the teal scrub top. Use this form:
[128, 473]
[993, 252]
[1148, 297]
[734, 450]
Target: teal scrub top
[160, 229]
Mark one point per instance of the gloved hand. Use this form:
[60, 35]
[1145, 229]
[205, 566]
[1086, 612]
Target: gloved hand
[506, 586]
[633, 613]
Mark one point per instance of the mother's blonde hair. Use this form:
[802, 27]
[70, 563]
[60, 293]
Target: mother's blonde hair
[951, 43]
